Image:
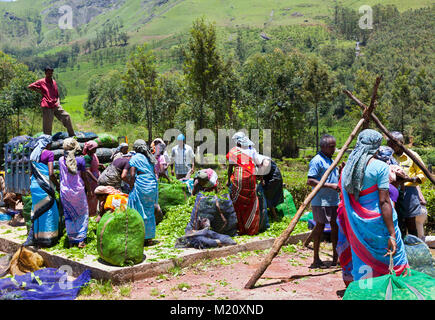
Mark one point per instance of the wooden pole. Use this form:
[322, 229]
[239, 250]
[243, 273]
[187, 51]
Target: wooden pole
[388, 134]
[369, 110]
[280, 241]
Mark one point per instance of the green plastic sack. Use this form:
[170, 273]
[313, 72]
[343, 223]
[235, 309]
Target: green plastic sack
[416, 286]
[106, 140]
[172, 194]
[120, 237]
[287, 208]
[419, 255]
[306, 216]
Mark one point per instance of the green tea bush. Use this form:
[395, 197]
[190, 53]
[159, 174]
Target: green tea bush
[428, 190]
[426, 154]
[294, 174]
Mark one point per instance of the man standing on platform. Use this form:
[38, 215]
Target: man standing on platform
[50, 103]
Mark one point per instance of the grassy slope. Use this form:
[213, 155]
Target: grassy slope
[176, 16]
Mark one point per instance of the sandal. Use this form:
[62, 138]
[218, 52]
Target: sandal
[148, 242]
[318, 265]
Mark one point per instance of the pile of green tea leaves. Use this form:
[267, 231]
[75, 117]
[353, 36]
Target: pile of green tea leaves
[174, 222]
[76, 253]
[176, 219]
[168, 231]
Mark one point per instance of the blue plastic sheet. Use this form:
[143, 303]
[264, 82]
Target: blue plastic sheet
[44, 284]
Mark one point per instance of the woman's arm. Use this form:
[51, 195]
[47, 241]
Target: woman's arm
[91, 175]
[86, 182]
[314, 182]
[387, 215]
[132, 176]
[52, 175]
[124, 175]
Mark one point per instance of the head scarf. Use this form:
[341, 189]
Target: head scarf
[141, 146]
[158, 146]
[118, 150]
[106, 190]
[368, 143]
[242, 139]
[122, 145]
[90, 145]
[41, 144]
[386, 154]
[71, 146]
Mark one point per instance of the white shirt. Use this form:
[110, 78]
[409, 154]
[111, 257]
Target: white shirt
[182, 157]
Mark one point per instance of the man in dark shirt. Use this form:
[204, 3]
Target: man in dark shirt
[50, 103]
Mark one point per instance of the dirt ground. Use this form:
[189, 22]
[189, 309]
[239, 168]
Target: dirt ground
[287, 278]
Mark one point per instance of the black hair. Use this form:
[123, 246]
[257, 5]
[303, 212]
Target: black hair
[324, 139]
[48, 68]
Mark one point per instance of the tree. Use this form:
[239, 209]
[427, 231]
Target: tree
[123, 37]
[141, 84]
[14, 95]
[240, 47]
[169, 100]
[317, 85]
[202, 65]
[272, 84]
[105, 100]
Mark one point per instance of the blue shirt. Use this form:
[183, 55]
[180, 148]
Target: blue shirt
[376, 173]
[326, 197]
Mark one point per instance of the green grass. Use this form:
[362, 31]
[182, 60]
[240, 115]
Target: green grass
[174, 19]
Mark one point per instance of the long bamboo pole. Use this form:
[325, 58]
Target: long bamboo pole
[379, 124]
[279, 242]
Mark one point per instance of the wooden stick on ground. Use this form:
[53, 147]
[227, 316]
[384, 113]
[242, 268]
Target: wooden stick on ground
[280, 241]
[388, 134]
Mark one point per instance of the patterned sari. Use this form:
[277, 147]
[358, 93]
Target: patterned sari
[74, 202]
[243, 192]
[363, 237]
[144, 195]
[45, 213]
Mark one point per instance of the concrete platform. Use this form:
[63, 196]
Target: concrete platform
[10, 242]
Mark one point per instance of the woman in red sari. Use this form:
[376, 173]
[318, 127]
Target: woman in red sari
[242, 183]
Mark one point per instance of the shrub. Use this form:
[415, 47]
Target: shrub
[428, 191]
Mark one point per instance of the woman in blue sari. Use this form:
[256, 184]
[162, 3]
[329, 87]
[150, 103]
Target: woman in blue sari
[368, 225]
[45, 214]
[144, 196]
